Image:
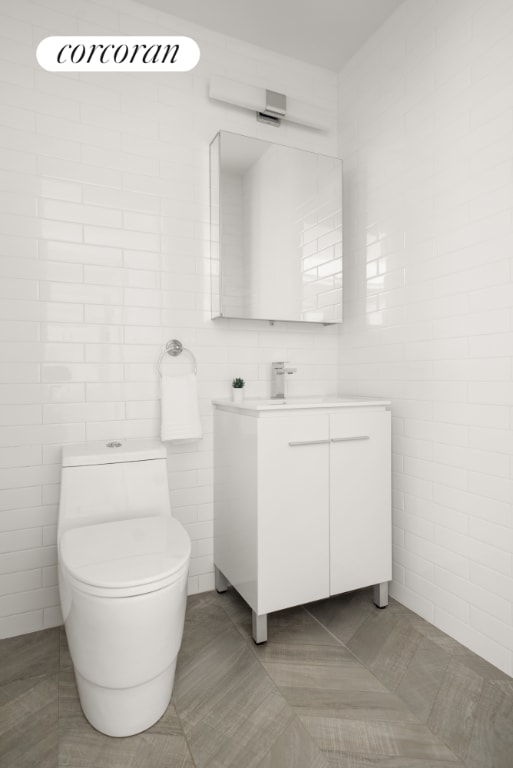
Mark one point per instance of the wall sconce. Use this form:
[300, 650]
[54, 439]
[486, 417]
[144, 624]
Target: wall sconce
[270, 106]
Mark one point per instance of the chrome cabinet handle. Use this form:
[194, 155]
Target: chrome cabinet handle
[347, 439]
[309, 442]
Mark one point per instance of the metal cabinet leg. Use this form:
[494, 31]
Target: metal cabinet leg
[220, 580]
[259, 627]
[380, 596]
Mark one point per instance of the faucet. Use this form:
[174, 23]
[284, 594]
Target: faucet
[278, 371]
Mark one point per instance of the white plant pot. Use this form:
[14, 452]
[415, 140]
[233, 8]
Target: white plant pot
[237, 394]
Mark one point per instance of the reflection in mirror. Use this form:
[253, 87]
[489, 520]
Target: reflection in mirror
[276, 231]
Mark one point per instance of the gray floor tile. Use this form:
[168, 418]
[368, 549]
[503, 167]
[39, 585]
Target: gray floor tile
[347, 675]
[481, 667]
[373, 738]
[302, 653]
[348, 704]
[328, 681]
[420, 684]
[29, 716]
[439, 638]
[230, 711]
[197, 675]
[350, 760]
[296, 625]
[454, 711]
[30, 655]
[232, 737]
[386, 643]
[64, 655]
[343, 614]
[491, 741]
[145, 750]
[294, 749]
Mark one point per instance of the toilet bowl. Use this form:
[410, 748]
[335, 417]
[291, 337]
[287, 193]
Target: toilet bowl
[123, 566]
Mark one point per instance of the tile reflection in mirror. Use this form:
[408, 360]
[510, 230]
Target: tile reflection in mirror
[276, 231]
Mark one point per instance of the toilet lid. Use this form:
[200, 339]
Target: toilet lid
[126, 554]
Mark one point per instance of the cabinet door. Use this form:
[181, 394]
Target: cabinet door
[360, 509]
[293, 510]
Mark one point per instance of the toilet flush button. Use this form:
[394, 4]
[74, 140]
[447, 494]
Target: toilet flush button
[114, 444]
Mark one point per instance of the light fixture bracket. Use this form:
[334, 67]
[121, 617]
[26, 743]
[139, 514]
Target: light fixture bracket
[275, 108]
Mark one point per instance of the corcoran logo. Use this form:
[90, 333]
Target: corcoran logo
[125, 53]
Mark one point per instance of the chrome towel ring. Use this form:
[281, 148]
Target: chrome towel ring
[175, 348]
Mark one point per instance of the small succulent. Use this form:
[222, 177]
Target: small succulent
[238, 383]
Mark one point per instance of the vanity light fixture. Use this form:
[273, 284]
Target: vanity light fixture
[270, 106]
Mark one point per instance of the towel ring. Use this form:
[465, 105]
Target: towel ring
[175, 348]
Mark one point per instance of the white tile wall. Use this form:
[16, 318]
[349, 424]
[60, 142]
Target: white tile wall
[426, 133]
[104, 256]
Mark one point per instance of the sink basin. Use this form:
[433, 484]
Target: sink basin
[257, 401]
[289, 403]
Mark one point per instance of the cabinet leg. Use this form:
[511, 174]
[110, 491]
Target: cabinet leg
[220, 580]
[380, 595]
[259, 627]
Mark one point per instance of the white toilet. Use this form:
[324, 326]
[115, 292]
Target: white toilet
[123, 566]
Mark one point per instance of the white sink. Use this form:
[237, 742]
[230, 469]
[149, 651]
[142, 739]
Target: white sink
[289, 403]
[257, 401]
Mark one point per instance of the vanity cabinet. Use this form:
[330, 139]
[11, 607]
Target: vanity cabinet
[301, 503]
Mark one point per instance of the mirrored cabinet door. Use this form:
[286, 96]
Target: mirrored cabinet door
[276, 231]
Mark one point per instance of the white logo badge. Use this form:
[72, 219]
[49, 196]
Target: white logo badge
[120, 53]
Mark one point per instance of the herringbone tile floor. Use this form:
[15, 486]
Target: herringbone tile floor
[339, 684]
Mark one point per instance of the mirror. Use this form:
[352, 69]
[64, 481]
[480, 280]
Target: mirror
[276, 231]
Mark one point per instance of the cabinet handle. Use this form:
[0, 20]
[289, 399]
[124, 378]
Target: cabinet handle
[309, 442]
[347, 439]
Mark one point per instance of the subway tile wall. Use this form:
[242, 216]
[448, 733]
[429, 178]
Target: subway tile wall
[426, 133]
[104, 255]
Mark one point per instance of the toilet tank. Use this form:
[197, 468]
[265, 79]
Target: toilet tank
[102, 482]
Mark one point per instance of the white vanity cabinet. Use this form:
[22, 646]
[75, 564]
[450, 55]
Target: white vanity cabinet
[301, 501]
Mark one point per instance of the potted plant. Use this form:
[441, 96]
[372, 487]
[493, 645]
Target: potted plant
[237, 390]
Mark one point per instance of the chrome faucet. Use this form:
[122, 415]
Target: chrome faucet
[278, 371]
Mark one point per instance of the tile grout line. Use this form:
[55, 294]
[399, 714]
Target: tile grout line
[339, 641]
[183, 732]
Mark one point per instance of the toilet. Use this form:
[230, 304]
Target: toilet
[123, 567]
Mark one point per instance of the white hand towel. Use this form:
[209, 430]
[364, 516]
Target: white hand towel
[180, 419]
